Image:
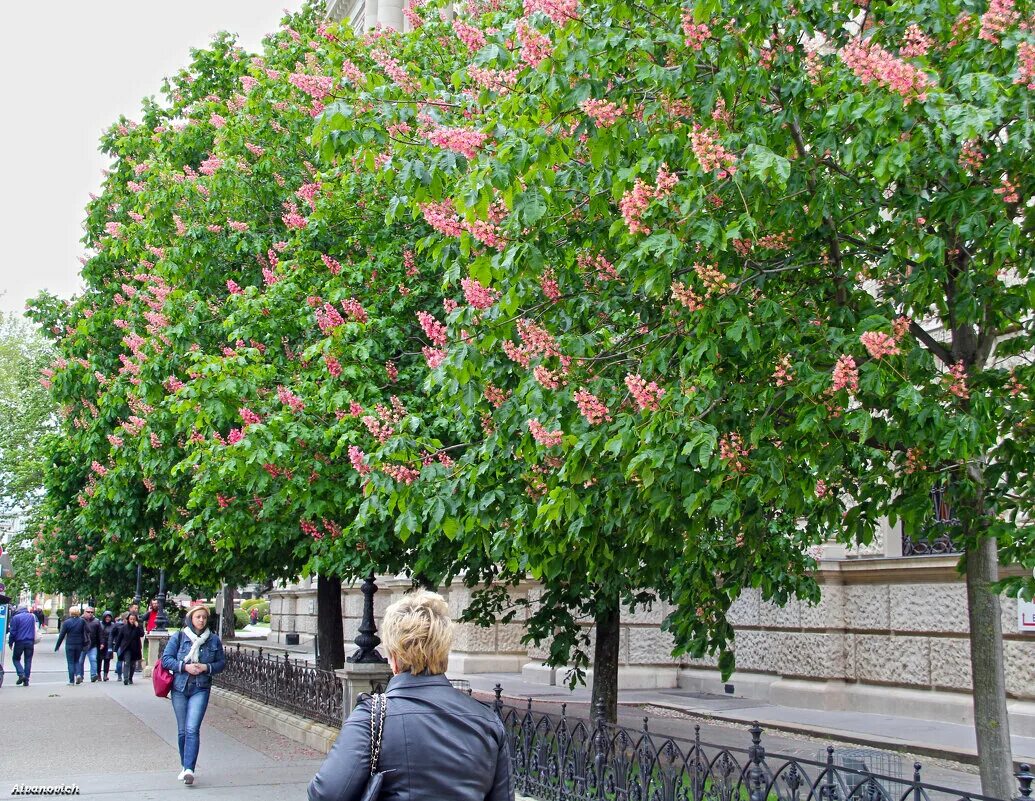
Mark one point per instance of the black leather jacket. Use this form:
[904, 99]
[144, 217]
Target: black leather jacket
[438, 743]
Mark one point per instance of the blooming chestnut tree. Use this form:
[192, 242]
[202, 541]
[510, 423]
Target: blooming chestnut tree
[738, 280]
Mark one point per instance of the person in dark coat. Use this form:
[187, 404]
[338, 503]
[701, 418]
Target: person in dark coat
[91, 642]
[113, 641]
[104, 651]
[130, 646]
[40, 616]
[21, 635]
[72, 633]
[437, 742]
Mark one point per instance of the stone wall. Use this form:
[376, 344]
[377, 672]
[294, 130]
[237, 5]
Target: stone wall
[889, 635]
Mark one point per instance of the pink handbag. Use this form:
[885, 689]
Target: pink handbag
[162, 680]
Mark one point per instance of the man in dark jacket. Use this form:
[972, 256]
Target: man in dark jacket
[114, 636]
[22, 638]
[91, 642]
[71, 634]
[41, 617]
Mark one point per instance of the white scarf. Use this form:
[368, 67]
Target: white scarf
[197, 640]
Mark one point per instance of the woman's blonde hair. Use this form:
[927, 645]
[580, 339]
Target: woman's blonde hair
[418, 632]
[75, 611]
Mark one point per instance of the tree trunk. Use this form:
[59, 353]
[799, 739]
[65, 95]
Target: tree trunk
[991, 723]
[605, 662]
[225, 608]
[330, 634]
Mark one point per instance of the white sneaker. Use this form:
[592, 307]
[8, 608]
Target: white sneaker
[188, 777]
[182, 774]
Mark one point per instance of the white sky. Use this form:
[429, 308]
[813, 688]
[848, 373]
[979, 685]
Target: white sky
[68, 69]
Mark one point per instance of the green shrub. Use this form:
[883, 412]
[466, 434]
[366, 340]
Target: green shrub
[266, 619]
[240, 618]
[249, 603]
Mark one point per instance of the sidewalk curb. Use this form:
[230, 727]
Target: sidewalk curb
[964, 756]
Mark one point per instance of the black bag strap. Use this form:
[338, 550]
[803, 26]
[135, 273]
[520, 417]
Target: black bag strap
[378, 708]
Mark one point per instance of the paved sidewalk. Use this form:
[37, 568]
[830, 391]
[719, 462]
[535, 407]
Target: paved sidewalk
[117, 742]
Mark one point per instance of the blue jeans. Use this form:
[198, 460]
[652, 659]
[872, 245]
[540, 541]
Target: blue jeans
[74, 658]
[92, 656]
[21, 649]
[190, 706]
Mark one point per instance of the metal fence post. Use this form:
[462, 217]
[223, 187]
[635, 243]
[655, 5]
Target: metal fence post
[498, 703]
[1024, 779]
[756, 753]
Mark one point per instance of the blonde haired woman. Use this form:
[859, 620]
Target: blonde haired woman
[437, 742]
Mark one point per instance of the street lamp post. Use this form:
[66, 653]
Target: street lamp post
[367, 639]
[161, 619]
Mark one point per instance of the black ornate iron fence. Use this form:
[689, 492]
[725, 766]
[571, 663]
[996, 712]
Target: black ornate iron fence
[560, 758]
[556, 758]
[934, 537]
[290, 684]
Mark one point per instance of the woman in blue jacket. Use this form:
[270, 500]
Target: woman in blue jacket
[193, 655]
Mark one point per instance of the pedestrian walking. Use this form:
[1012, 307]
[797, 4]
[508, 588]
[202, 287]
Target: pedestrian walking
[41, 616]
[104, 646]
[129, 646]
[193, 655]
[91, 642]
[113, 641]
[253, 615]
[72, 634]
[149, 619]
[21, 636]
[431, 740]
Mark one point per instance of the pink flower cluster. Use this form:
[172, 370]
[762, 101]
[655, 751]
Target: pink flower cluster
[235, 225]
[1000, 16]
[784, 373]
[442, 217]
[878, 344]
[216, 121]
[915, 42]
[592, 408]
[1026, 65]
[354, 309]
[98, 468]
[333, 266]
[647, 396]
[871, 63]
[496, 396]
[210, 165]
[956, 381]
[316, 86]
[435, 331]
[714, 279]
[685, 296]
[497, 80]
[113, 229]
[733, 451]
[249, 417]
[604, 112]
[434, 357]
[846, 375]
[536, 47]
[821, 488]
[358, 460]
[548, 283]
[711, 154]
[328, 318]
[401, 473]
[391, 371]
[352, 72]
[634, 203]
[333, 365]
[559, 11]
[289, 399]
[464, 141]
[696, 33]
[234, 435]
[545, 438]
[1007, 191]
[248, 83]
[473, 38]
[477, 295]
[394, 70]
